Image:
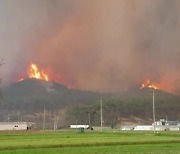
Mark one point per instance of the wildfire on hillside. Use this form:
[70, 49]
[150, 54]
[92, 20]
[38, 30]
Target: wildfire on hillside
[35, 72]
[148, 84]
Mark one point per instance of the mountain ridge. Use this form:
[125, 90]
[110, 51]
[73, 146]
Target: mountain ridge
[37, 91]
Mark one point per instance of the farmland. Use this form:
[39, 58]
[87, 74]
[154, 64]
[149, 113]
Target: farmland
[89, 142]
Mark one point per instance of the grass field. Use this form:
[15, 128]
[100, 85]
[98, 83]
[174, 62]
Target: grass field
[72, 142]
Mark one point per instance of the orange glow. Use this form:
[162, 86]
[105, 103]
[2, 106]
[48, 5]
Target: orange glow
[148, 84]
[21, 79]
[35, 72]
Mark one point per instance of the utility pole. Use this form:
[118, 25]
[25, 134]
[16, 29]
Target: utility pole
[55, 122]
[101, 115]
[44, 116]
[154, 118]
[89, 118]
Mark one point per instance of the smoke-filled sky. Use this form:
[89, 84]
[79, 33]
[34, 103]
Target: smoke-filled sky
[98, 45]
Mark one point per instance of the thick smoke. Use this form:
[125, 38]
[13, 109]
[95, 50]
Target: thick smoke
[99, 45]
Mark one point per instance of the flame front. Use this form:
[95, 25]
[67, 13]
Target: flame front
[148, 84]
[34, 72]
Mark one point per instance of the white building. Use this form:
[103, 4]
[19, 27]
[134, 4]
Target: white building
[14, 126]
[79, 126]
[127, 127]
[144, 127]
[161, 125]
[163, 122]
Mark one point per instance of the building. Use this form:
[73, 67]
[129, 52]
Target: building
[14, 126]
[79, 126]
[163, 122]
[143, 127]
[161, 125]
[127, 127]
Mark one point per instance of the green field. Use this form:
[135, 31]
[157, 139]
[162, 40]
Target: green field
[73, 142]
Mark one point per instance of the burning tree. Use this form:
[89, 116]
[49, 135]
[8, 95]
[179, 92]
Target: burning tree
[35, 72]
[148, 84]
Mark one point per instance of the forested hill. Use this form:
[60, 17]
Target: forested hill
[131, 105]
[33, 94]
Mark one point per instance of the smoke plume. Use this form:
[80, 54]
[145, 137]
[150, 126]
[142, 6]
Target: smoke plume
[104, 45]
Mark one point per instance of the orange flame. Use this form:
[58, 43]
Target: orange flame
[34, 72]
[149, 84]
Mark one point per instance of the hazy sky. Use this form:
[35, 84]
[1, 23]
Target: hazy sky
[99, 45]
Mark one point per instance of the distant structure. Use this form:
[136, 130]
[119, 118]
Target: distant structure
[79, 126]
[15, 126]
[161, 125]
[163, 122]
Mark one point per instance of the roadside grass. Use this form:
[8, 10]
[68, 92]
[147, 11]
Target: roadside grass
[89, 142]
